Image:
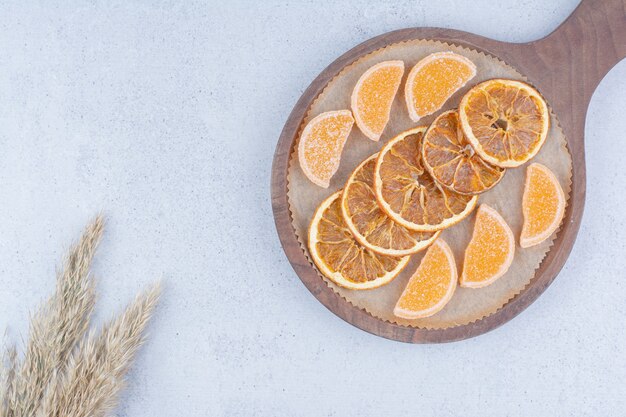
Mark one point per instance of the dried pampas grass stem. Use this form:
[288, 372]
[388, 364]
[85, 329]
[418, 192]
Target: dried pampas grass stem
[66, 372]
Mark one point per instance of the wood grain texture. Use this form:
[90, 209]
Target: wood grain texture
[566, 66]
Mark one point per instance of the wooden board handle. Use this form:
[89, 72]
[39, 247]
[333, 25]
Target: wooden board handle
[592, 39]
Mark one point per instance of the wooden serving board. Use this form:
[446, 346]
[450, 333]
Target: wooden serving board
[566, 66]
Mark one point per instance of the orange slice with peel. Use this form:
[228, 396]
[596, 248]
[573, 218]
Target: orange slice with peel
[450, 159]
[431, 286]
[369, 224]
[506, 121]
[409, 194]
[321, 144]
[433, 80]
[373, 95]
[543, 205]
[341, 258]
[490, 251]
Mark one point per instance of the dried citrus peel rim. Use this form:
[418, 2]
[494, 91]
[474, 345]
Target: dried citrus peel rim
[336, 276]
[505, 120]
[465, 159]
[347, 216]
[450, 221]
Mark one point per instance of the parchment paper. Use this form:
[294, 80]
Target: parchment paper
[467, 305]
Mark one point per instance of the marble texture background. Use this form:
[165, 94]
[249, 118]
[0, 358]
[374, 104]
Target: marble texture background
[164, 115]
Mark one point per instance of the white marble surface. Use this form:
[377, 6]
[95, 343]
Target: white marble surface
[165, 116]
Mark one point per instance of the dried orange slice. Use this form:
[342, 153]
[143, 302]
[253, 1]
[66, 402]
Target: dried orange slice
[431, 286]
[321, 144]
[451, 160]
[369, 224]
[373, 95]
[490, 252]
[543, 205]
[433, 80]
[408, 193]
[341, 258]
[506, 121]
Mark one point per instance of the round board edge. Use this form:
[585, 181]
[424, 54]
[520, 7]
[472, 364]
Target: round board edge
[545, 274]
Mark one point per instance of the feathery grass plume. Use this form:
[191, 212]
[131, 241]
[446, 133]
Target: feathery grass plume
[96, 371]
[64, 372]
[58, 324]
[7, 378]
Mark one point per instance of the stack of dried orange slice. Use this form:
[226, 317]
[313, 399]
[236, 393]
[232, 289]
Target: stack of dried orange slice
[426, 179]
